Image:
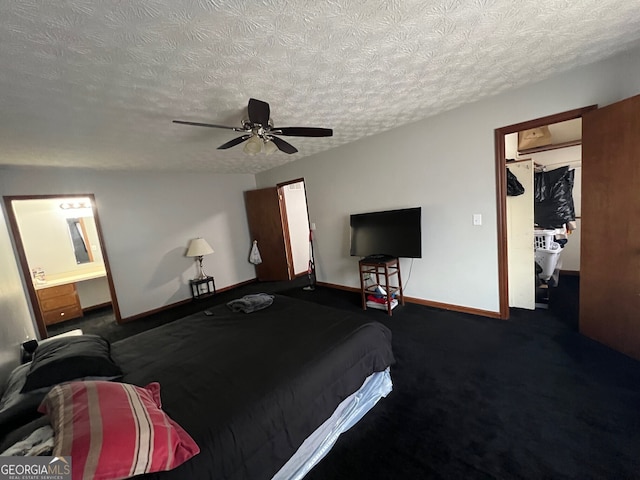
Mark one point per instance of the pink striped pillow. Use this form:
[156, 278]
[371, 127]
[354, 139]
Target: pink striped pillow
[114, 430]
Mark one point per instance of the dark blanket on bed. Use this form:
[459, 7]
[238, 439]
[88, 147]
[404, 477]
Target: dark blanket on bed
[250, 388]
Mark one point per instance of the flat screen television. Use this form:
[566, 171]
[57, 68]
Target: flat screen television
[392, 233]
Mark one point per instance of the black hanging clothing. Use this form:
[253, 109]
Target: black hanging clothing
[553, 193]
[514, 187]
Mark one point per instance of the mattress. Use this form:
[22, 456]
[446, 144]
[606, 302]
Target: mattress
[250, 388]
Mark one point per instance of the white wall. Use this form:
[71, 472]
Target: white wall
[93, 292]
[16, 324]
[148, 219]
[446, 165]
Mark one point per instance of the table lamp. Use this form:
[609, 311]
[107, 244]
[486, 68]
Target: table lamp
[198, 247]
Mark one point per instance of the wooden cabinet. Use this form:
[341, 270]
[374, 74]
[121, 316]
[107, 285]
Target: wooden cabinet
[59, 303]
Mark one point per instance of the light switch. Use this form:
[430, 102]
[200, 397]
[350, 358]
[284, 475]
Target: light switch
[477, 219]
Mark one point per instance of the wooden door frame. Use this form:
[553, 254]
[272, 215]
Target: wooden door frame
[285, 222]
[501, 193]
[24, 265]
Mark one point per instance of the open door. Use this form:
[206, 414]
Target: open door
[610, 246]
[266, 214]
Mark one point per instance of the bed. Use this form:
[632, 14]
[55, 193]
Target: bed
[251, 389]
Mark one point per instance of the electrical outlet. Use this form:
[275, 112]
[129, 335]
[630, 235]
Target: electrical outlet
[477, 219]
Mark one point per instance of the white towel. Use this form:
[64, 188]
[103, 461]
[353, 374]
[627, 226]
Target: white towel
[254, 256]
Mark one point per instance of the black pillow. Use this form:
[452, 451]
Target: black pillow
[68, 358]
[18, 408]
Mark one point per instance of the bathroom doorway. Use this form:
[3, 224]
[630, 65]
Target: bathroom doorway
[61, 252]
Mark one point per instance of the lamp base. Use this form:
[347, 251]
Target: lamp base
[201, 275]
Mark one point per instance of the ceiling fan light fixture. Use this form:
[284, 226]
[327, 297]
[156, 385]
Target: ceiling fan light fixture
[253, 145]
[260, 133]
[269, 147]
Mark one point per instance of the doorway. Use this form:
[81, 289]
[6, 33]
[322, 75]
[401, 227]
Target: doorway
[544, 166]
[279, 224]
[61, 252]
[501, 182]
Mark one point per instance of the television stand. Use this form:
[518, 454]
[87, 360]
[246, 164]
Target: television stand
[383, 268]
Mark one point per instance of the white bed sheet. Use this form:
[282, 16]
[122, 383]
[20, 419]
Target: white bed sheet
[346, 415]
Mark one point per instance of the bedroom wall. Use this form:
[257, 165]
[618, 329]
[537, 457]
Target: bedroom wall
[147, 220]
[16, 324]
[446, 165]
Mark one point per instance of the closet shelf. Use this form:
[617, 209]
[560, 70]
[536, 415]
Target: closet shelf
[554, 146]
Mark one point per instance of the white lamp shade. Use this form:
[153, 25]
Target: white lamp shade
[199, 247]
[270, 147]
[253, 145]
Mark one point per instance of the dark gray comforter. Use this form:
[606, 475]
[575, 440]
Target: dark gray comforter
[250, 388]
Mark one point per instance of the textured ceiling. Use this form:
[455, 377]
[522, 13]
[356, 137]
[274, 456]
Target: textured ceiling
[91, 83]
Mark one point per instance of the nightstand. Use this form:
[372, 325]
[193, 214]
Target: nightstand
[201, 288]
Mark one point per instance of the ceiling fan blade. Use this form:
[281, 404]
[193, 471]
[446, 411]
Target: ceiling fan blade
[304, 131]
[259, 112]
[285, 147]
[234, 142]
[196, 124]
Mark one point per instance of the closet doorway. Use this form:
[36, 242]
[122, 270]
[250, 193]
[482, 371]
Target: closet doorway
[609, 261]
[516, 264]
[61, 253]
[544, 193]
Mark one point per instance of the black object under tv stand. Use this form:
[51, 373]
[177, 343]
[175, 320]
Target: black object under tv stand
[378, 258]
[383, 267]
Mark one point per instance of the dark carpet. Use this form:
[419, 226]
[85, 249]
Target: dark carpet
[478, 398]
[482, 398]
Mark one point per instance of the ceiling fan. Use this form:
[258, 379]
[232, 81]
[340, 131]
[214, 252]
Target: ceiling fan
[260, 132]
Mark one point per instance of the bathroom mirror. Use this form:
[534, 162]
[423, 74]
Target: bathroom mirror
[78, 233]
